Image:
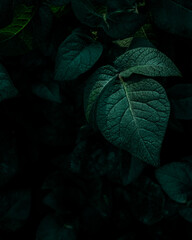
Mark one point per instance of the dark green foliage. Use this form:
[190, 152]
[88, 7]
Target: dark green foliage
[95, 119]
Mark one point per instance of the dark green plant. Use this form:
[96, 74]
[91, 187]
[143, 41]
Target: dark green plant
[96, 119]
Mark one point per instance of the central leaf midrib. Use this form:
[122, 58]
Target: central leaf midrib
[133, 115]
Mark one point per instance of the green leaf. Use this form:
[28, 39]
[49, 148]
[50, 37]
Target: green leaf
[86, 12]
[95, 85]
[122, 25]
[133, 116]
[176, 180]
[75, 56]
[7, 89]
[49, 91]
[173, 17]
[22, 16]
[51, 228]
[181, 100]
[146, 61]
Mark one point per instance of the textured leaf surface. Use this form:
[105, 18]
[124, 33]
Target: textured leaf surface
[95, 85]
[176, 180]
[133, 116]
[75, 56]
[22, 17]
[181, 99]
[146, 61]
[7, 89]
[171, 16]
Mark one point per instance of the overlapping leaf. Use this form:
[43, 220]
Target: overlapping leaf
[95, 85]
[146, 61]
[75, 56]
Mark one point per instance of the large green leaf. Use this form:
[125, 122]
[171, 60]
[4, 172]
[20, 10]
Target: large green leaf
[7, 89]
[146, 61]
[76, 55]
[22, 16]
[176, 180]
[133, 116]
[171, 16]
[95, 85]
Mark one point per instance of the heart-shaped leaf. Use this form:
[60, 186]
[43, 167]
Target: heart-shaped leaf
[133, 116]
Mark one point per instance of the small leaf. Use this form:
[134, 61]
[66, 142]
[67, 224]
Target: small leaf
[133, 116]
[75, 56]
[7, 89]
[22, 17]
[146, 61]
[49, 92]
[51, 228]
[181, 99]
[95, 85]
[176, 180]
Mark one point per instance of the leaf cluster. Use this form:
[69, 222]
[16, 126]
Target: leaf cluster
[96, 119]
